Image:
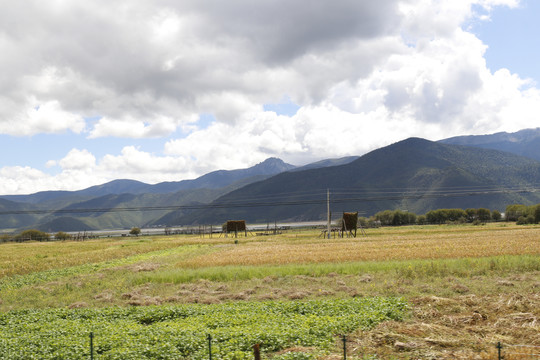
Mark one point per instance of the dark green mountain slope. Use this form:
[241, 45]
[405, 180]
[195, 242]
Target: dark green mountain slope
[9, 219]
[327, 163]
[415, 174]
[66, 223]
[524, 142]
[109, 211]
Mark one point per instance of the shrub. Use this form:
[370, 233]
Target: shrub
[62, 236]
[483, 214]
[536, 214]
[34, 235]
[396, 217]
[442, 216]
[363, 221]
[515, 211]
[524, 220]
[5, 238]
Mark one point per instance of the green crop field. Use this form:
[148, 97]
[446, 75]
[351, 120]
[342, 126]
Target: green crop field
[445, 292]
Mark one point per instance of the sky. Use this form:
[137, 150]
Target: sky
[92, 91]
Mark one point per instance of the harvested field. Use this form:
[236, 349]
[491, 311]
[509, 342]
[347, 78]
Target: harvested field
[434, 243]
[467, 287]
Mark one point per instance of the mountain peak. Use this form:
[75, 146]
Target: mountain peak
[272, 166]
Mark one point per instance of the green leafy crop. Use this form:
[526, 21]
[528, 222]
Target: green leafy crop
[173, 332]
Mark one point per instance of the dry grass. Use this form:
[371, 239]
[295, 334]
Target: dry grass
[463, 327]
[25, 258]
[439, 243]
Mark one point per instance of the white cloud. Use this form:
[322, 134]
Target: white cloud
[146, 68]
[365, 74]
[80, 169]
[36, 117]
[129, 127]
[20, 179]
[136, 163]
[78, 160]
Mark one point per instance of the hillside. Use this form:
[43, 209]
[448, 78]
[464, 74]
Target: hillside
[109, 197]
[213, 180]
[327, 163]
[222, 178]
[9, 217]
[524, 142]
[415, 175]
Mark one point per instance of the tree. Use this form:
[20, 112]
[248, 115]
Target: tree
[62, 236]
[5, 238]
[32, 234]
[135, 231]
[483, 214]
[536, 214]
[471, 214]
[496, 215]
[399, 218]
[442, 216]
[513, 212]
[386, 217]
[363, 221]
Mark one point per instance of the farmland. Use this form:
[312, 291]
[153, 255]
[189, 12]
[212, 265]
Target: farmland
[449, 291]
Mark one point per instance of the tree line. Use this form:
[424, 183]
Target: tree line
[521, 214]
[439, 216]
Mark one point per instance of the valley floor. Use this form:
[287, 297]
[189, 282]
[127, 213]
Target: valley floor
[468, 287]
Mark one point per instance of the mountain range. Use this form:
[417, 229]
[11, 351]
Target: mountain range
[524, 142]
[415, 174]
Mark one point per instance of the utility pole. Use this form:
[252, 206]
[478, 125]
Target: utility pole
[328, 210]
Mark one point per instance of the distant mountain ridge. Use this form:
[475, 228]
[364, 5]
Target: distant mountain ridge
[327, 163]
[415, 175]
[124, 193]
[524, 142]
[214, 180]
[221, 178]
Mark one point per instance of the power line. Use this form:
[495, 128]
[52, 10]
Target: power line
[369, 196]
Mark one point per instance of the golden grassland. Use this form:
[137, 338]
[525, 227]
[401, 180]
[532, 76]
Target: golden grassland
[304, 247]
[469, 286]
[25, 258]
[438, 242]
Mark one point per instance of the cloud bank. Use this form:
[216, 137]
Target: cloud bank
[364, 75]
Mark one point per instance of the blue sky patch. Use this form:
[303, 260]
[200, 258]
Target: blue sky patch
[287, 108]
[512, 37]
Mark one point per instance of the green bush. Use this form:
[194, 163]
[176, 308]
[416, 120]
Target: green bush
[515, 211]
[396, 217]
[62, 236]
[5, 238]
[33, 235]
